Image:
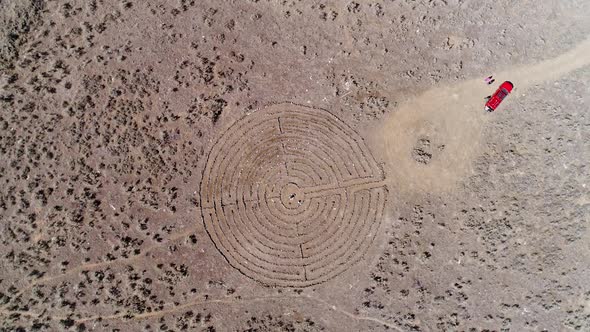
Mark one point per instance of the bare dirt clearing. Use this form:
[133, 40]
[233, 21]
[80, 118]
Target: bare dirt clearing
[446, 122]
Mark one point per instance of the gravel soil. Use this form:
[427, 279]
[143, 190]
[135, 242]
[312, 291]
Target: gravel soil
[110, 110]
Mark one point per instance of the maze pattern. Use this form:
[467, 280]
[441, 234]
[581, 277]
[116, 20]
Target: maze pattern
[291, 196]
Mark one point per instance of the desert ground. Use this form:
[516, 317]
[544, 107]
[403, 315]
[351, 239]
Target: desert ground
[266, 165]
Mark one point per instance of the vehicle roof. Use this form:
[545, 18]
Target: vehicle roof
[507, 85]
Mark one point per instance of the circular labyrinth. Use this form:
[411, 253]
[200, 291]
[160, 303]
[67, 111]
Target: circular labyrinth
[291, 196]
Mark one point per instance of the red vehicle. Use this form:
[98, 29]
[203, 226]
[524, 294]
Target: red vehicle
[503, 91]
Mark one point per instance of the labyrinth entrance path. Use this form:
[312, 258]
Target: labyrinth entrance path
[291, 196]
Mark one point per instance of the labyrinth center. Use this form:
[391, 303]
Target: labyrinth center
[291, 196]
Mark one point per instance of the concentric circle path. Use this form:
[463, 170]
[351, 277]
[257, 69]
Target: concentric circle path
[291, 196]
